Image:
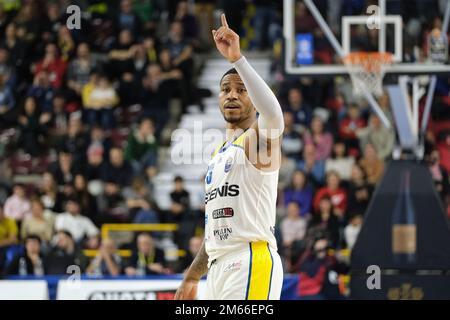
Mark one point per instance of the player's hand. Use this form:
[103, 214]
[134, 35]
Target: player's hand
[227, 41]
[187, 290]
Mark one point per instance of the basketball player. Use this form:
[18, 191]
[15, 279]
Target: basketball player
[239, 251]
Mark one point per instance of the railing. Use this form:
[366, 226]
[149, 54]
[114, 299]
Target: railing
[133, 227]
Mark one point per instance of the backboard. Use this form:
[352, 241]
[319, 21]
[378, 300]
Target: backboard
[401, 27]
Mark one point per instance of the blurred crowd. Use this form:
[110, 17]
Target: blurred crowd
[84, 114]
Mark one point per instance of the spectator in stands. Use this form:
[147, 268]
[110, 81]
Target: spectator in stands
[337, 194]
[301, 110]
[293, 226]
[140, 203]
[7, 102]
[121, 54]
[148, 13]
[349, 126]
[8, 236]
[99, 138]
[304, 21]
[16, 48]
[17, 206]
[322, 140]
[59, 120]
[444, 152]
[111, 204]
[27, 20]
[325, 220]
[76, 140]
[292, 141]
[32, 132]
[180, 212]
[132, 75]
[189, 22]
[314, 169]
[64, 169]
[439, 174]
[172, 78]
[51, 197]
[66, 43]
[7, 69]
[340, 161]
[127, 19]
[118, 170]
[195, 244]
[31, 261]
[79, 226]
[287, 169]
[318, 272]
[53, 64]
[95, 164]
[80, 68]
[147, 259]
[385, 103]
[88, 204]
[6, 183]
[372, 165]
[299, 192]
[352, 230]
[381, 138]
[180, 200]
[149, 44]
[107, 262]
[156, 91]
[99, 99]
[42, 91]
[64, 253]
[359, 191]
[54, 20]
[142, 146]
[41, 223]
[180, 49]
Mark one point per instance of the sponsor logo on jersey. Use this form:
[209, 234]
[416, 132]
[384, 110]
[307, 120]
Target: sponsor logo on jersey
[223, 213]
[227, 190]
[228, 164]
[234, 266]
[208, 177]
[223, 233]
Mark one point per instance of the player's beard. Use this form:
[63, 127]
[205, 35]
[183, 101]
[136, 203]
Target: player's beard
[232, 118]
[236, 118]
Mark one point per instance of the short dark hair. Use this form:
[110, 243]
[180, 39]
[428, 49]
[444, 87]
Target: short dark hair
[178, 179]
[231, 71]
[33, 237]
[66, 232]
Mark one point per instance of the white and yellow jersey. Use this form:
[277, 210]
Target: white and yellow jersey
[240, 202]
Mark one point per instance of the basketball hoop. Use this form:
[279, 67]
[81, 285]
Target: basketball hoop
[367, 70]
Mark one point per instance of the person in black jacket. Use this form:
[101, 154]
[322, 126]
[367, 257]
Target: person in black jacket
[64, 253]
[31, 262]
[147, 259]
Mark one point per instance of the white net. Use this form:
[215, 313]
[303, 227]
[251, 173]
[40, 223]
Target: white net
[367, 70]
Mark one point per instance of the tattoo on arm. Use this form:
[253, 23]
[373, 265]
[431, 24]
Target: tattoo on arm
[200, 264]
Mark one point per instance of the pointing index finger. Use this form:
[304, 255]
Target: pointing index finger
[224, 20]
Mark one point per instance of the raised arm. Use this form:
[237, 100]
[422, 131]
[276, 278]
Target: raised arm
[270, 122]
[199, 267]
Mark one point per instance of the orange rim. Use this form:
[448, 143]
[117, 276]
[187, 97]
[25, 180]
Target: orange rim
[370, 61]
